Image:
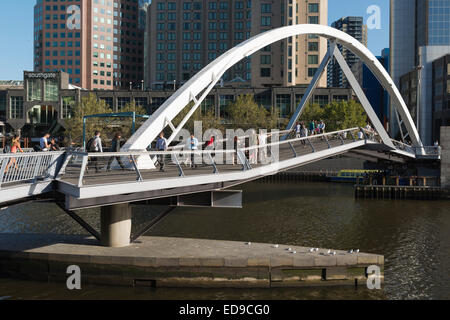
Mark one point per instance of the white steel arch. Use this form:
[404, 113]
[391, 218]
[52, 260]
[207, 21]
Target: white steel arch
[204, 81]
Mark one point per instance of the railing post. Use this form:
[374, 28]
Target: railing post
[340, 138]
[37, 168]
[139, 176]
[181, 173]
[3, 168]
[83, 169]
[311, 145]
[293, 149]
[328, 143]
[64, 165]
[213, 163]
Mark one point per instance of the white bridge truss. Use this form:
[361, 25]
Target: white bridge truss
[199, 86]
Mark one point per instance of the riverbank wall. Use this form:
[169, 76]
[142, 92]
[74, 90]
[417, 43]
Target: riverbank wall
[179, 262]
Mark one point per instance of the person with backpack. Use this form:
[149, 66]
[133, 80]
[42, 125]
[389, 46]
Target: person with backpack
[43, 142]
[95, 145]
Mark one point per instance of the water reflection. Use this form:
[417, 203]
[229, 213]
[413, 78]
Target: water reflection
[412, 235]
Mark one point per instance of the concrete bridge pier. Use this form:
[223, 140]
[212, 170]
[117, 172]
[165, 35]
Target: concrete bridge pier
[115, 225]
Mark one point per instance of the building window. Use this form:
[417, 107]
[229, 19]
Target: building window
[266, 21]
[265, 72]
[313, 7]
[313, 46]
[313, 59]
[16, 107]
[266, 8]
[67, 107]
[266, 59]
[122, 102]
[321, 100]
[311, 72]
[283, 104]
[34, 90]
[51, 90]
[313, 19]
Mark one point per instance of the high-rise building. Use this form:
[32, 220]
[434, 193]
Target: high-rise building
[183, 37]
[375, 93]
[355, 27]
[419, 34]
[99, 43]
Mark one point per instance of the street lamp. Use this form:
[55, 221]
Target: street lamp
[131, 85]
[142, 85]
[174, 85]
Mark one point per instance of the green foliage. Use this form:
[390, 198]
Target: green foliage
[245, 113]
[88, 106]
[126, 124]
[108, 126]
[344, 115]
[337, 115]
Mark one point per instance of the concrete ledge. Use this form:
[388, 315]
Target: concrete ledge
[159, 261]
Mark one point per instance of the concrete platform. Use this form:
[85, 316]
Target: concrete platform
[159, 261]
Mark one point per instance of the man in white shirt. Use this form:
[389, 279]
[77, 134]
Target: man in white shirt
[298, 129]
[192, 144]
[97, 147]
[43, 142]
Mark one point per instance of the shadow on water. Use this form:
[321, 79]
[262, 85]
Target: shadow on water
[412, 235]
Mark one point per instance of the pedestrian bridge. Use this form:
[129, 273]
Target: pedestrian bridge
[70, 175]
[68, 178]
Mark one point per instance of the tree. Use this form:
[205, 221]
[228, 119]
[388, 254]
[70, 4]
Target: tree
[126, 124]
[344, 115]
[337, 115]
[88, 106]
[312, 112]
[245, 113]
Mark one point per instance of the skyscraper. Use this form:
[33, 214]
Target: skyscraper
[355, 27]
[419, 34]
[99, 43]
[183, 37]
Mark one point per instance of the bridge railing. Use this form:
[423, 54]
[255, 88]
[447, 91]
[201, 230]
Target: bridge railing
[32, 166]
[434, 151]
[114, 167]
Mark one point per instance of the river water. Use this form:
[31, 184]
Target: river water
[414, 237]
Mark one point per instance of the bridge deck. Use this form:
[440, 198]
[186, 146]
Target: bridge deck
[171, 171]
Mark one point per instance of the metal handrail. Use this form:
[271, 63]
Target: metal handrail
[20, 167]
[299, 139]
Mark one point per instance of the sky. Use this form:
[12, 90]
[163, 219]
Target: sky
[16, 31]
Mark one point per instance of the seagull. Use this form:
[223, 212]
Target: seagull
[289, 249]
[248, 243]
[329, 251]
[334, 253]
[294, 252]
[311, 250]
[316, 249]
[357, 250]
[276, 246]
[350, 251]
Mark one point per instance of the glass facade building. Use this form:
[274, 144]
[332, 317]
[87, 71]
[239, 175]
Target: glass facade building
[419, 34]
[99, 43]
[355, 27]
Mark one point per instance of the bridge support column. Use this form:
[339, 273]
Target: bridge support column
[116, 225]
[445, 158]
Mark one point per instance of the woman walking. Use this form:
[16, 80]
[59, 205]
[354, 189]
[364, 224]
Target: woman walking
[15, 145]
